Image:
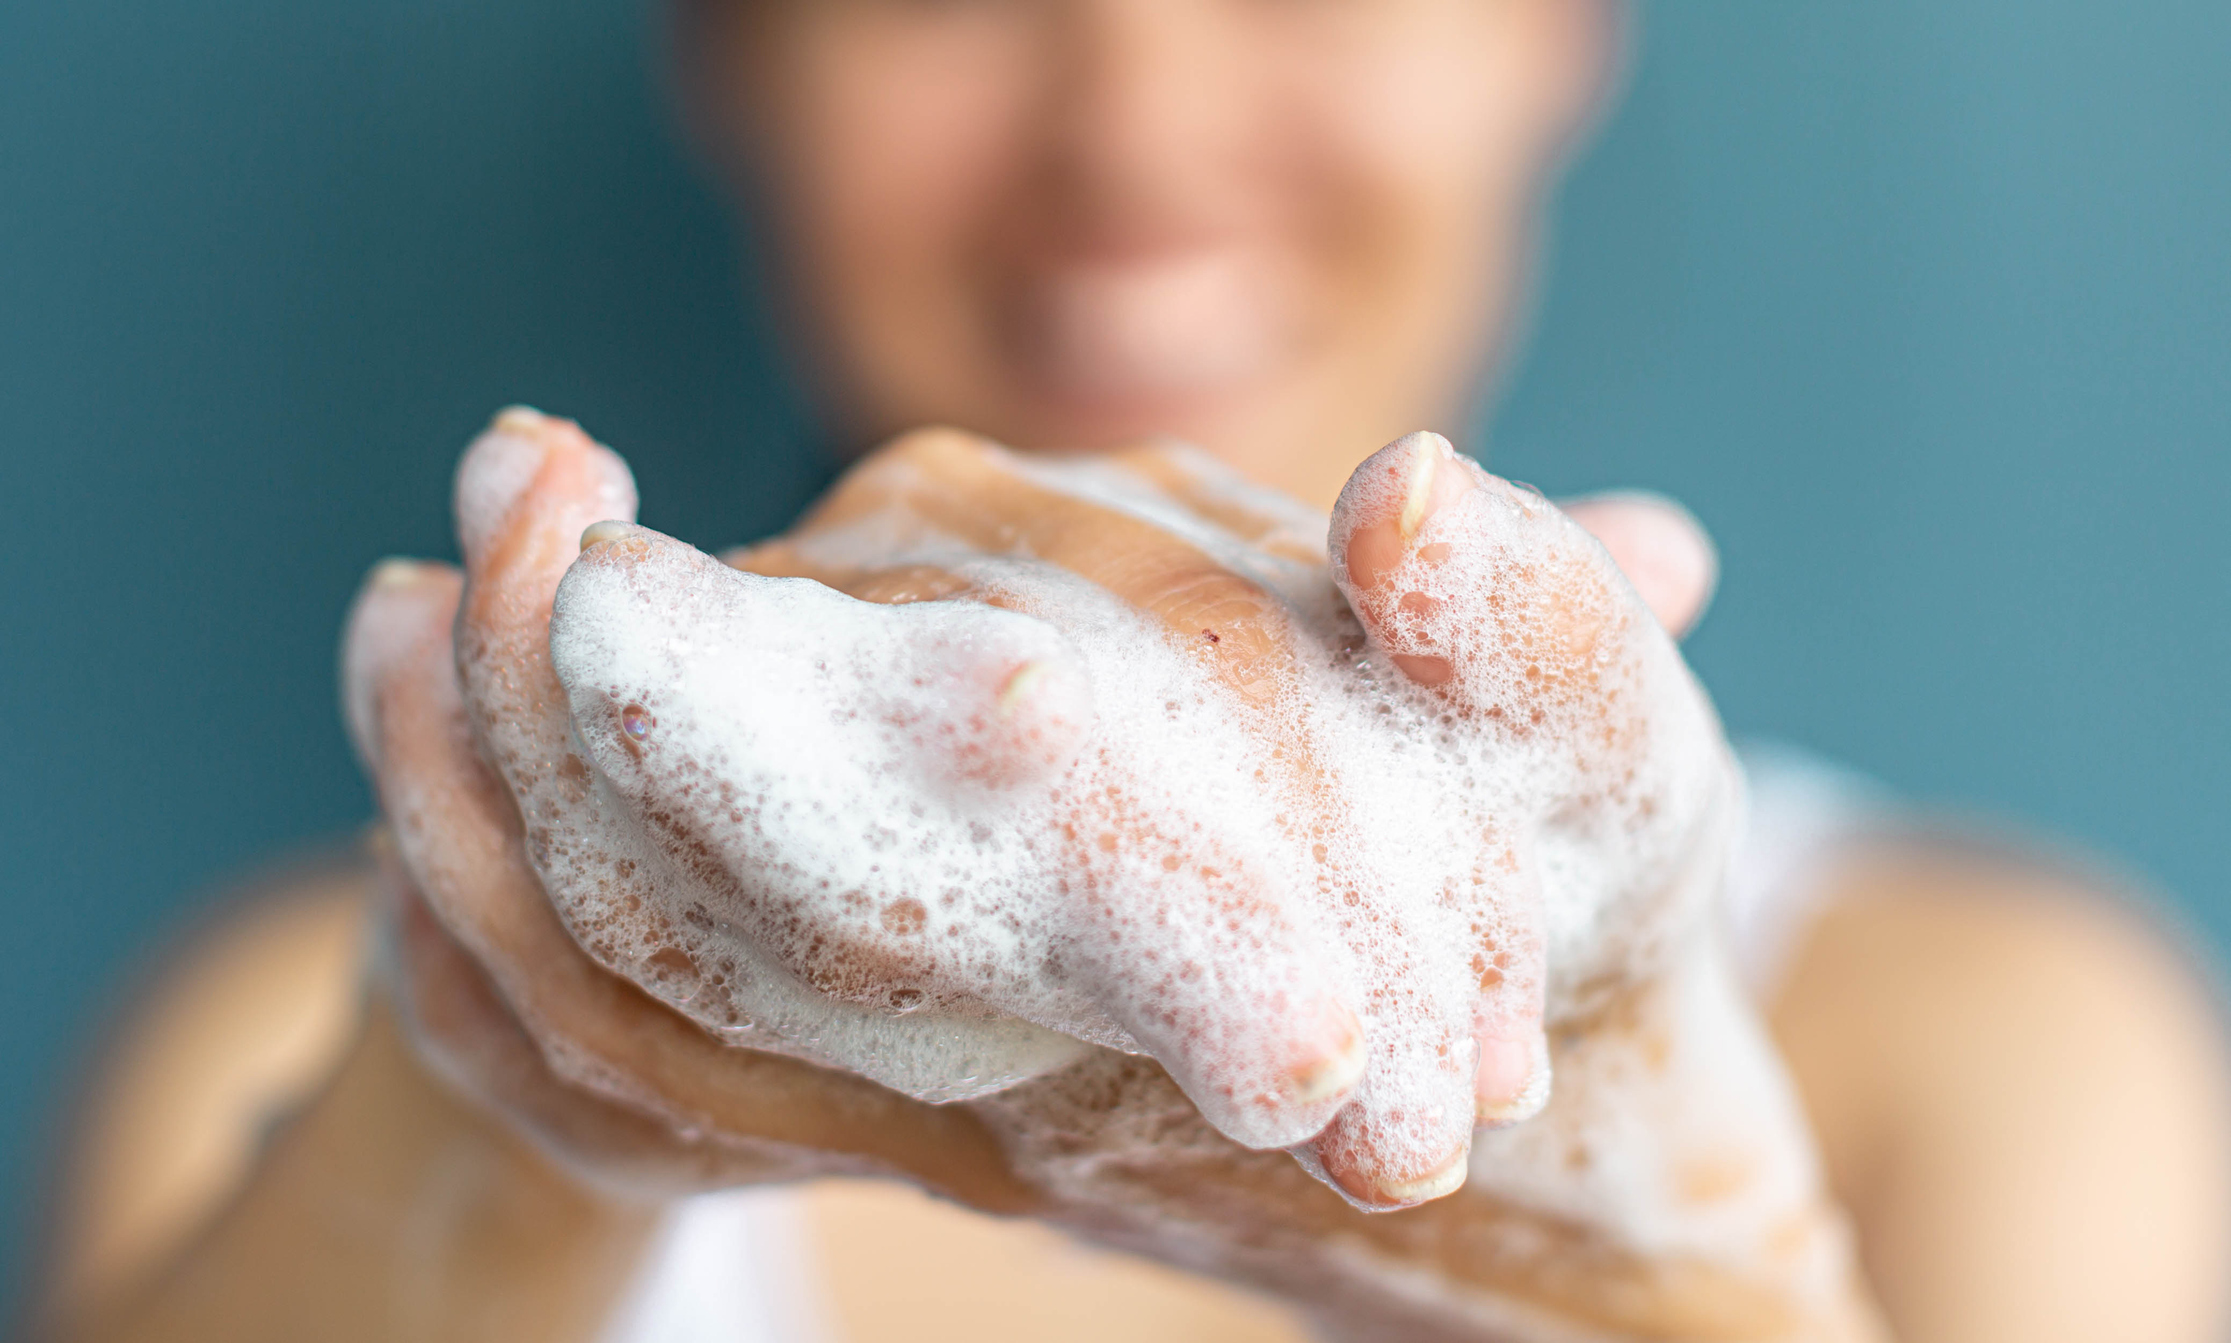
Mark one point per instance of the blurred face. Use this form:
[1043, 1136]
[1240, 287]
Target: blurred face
[1288, 230]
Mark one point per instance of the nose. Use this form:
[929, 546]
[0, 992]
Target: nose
[1144, 99]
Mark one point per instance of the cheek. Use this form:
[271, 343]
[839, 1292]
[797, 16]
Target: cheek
[1420, 159]
[887, 131]
[892, 145]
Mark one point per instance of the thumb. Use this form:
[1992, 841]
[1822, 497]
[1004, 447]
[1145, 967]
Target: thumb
[1660, 546]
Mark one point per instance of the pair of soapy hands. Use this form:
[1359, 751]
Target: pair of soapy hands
[1343, 832]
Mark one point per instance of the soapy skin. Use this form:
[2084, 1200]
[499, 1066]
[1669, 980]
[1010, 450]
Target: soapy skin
[946, 843]
[1459, 804]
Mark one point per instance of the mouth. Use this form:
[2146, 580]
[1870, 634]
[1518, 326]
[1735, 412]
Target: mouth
[1149, 329]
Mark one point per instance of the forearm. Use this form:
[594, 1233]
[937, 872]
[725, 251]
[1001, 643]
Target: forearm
[389, 1209]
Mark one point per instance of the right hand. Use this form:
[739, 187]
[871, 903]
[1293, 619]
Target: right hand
[1638, 803]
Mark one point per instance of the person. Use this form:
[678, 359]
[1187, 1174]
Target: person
[1288, 231]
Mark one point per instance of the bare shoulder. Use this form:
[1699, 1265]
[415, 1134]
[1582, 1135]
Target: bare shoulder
[235, 1023]
[2018, 1072]
[2047, 937]
[1938, 965]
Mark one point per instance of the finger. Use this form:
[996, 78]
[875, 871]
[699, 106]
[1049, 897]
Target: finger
[1511, 1082]
[1458, 1044]
[1660, 546]
[1405, 1137]
[455, 830]
[959, 691]
[1481, 590]
[1192, 955]
[401, 604]
[408, 723]
[945, 488]
[1221, 497]
[460, 843]
[462, 1028]
[526, 490]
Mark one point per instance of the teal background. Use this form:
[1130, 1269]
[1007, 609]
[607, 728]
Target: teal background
[1924, 307]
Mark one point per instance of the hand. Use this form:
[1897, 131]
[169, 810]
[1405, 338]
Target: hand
[1609, 739]
[630, 1095]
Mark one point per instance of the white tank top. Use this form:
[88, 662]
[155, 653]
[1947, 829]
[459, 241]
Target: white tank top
[733, 1267]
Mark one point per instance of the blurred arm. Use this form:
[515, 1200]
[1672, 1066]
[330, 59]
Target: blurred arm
[2021, 1092]
[385, 1208]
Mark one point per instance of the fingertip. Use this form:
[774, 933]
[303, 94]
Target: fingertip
[498, 468]
[1388, 501]
[623, 587]
[1277, 1069]
[998, 698]
[1428, 454]
[523, 451]
[1041, 710]
[1425, 669]
[1405, 1136]
[1267, 1108]
[1332, 1059]
[392, 596]
[400, 604]
[1373, 1182]
[1512, 1082]
[1022, 692]
[1439, 1183]
[1665, 552]
[598, 533]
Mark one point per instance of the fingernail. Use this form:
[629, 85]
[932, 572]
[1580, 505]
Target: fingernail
[1020, 682]
[395, 572]
[1337, 1072]
[598, 533]
[1427, 450]
[524, 420]
[1513, 1081]
[1446, 1180]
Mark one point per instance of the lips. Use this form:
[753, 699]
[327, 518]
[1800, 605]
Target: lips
[1152, 327]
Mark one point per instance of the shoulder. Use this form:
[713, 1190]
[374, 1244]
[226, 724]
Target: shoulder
[2019, 1076]
[235, 1022]
[2009, 995]
[1970, 916]
[1839, 878]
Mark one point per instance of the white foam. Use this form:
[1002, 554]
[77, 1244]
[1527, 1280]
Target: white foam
[948, 845]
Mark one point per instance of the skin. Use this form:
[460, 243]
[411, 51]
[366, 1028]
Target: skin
[1056, 223]
[1340, 196]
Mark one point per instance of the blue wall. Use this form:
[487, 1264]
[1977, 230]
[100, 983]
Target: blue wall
[1926, 308]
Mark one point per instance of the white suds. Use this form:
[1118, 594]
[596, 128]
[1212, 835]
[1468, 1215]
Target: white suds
[950, 844]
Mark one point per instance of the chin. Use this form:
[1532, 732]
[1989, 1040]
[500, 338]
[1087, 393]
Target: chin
[1222, 421]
